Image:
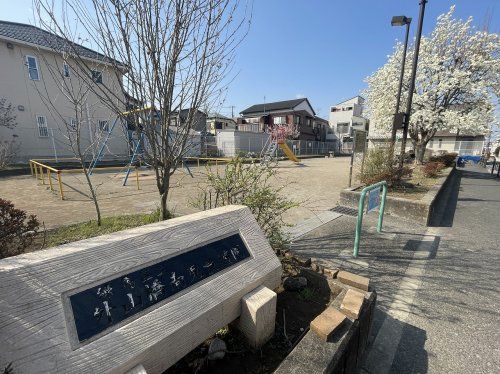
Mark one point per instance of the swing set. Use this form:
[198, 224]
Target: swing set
[136, 141]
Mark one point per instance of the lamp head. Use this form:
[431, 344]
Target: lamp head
[400, 21]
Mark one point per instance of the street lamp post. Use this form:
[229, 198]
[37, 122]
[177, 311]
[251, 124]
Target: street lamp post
[400, 21]
[412, 81]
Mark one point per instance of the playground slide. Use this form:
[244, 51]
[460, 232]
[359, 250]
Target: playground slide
[288, 152]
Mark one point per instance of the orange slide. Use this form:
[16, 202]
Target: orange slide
[288, 152]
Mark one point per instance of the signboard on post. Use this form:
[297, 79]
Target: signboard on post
[359, 145]
[398, 121]
[145, 296]
[373, 200]
[359, 141]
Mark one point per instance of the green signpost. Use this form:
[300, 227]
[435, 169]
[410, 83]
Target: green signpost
[373, 201]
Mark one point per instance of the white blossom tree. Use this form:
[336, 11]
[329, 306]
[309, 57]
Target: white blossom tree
[456, 86]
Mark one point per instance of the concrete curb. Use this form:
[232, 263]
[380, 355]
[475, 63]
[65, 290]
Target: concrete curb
[304, 227]
[415, 210]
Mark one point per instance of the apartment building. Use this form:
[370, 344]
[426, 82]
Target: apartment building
[347, 116]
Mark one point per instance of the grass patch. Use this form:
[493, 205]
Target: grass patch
[84, 230]
[307, 294]
[418, 184]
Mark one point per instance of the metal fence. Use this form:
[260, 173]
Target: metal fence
[254, 148]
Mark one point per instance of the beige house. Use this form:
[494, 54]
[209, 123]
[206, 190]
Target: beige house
[217, 122]
[441, 142]
[32, 70]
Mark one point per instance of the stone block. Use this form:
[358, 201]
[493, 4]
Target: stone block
[354, 280]
[352, 303]
[258, 312]
[148, 295]
[139, 369]
[317, 268]
[327, 323]
[332, 273]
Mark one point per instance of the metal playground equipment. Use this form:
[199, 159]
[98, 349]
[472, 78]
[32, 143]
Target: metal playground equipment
[277, 138]
[136, 141]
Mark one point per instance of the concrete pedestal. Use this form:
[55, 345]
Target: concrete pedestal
[258, 314]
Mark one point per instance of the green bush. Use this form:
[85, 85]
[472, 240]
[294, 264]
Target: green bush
[248, 184]
[17, 229]
[447, 159]
[379, 165]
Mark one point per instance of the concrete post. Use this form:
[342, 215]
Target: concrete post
[258, 314]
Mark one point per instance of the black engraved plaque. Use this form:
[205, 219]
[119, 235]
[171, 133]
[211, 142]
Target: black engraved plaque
[100, 307]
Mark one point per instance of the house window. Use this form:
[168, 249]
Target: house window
[309, 122]
[334, 109]
[66, 70]
[97, 76]
[279, 120]
[32, 64]
[296, 120]
[439, 143]
[72, 124]
[104, 126]
[343, 128]
[43, 131]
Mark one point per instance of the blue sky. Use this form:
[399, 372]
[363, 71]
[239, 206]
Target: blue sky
[322, 50]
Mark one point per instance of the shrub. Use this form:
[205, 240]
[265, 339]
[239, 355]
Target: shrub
[447, 159]
[379, 166]
[17, 229]
[248, 184]
[432, 169]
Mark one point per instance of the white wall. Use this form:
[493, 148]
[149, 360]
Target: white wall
[22, 92]
[229, 143]
[351, 116]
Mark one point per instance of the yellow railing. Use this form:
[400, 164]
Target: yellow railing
[37, 170]
[209, 159]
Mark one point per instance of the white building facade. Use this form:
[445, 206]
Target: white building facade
[347, 116]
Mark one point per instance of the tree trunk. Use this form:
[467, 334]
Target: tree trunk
[163, 202]
[163, 189]
[92, 194]
[419, 152]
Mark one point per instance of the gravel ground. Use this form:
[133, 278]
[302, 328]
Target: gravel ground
[316, 185]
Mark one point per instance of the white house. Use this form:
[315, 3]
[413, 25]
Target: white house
[27, 60]
[347, 116]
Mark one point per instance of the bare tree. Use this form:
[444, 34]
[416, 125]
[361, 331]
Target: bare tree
[67, 92]
[178, 56]
[8, 148]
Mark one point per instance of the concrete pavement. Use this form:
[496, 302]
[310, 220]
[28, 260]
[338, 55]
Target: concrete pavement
[438, 287]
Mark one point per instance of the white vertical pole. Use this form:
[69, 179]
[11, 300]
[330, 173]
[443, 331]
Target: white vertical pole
[90, 129]
[53, 144]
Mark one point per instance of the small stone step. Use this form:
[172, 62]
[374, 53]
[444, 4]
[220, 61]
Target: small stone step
[354, 280]
[352, 303]
[325, 325]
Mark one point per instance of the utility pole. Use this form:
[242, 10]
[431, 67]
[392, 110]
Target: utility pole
[400, 21]
[232, 109]
[412, 81]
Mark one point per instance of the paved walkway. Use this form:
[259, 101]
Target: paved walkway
[438, 287]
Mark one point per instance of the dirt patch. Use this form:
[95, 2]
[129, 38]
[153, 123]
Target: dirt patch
[294, 312]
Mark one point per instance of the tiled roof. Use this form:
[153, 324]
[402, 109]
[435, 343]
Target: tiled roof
[279, 105]
[34, 35]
